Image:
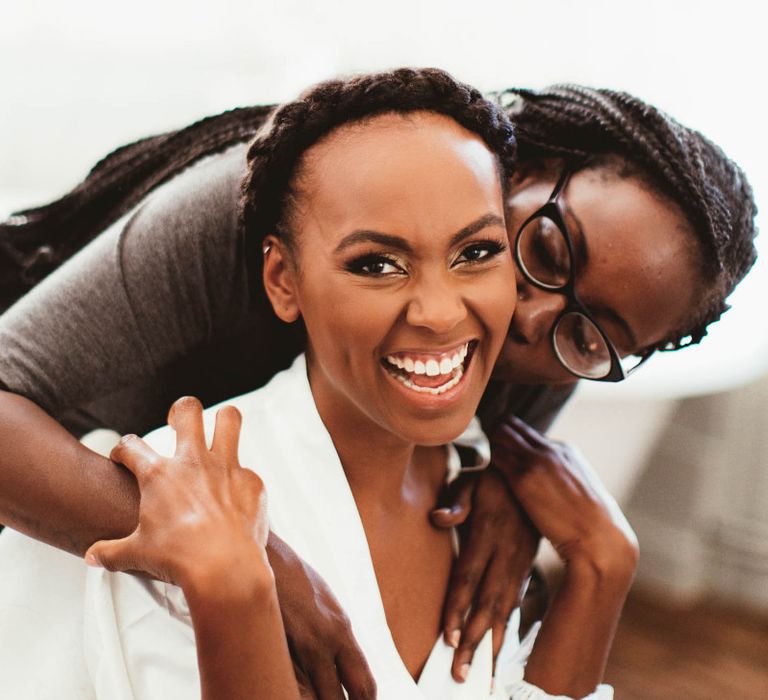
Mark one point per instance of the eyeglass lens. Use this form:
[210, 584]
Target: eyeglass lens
[545, 257]
[581, 347]
[543, 252]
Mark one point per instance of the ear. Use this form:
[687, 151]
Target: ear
[280, 279]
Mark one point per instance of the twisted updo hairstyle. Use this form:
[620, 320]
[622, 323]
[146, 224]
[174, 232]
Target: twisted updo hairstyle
[587, 125]
[269, 189]
[564, 121]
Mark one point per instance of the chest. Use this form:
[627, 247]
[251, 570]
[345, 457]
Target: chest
[412, 563]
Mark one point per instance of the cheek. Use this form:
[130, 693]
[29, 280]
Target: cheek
[494, 302]
[347, 324]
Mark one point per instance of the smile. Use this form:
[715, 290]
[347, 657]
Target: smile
[430, 373]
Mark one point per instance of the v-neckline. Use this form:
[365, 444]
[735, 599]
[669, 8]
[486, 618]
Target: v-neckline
[361, 596]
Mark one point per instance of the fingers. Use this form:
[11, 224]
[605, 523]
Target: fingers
[324, 679]
[305, 687]
[532, 436]
[510, 437]
[226, 434]
[114, 555]
[509, 601]
[491, 610]
[466, 576]
[455, 502]
[354, 672]
[136, 455]
[186, 418]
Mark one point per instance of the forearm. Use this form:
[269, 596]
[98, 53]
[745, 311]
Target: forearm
[241, 646]
[55, 489]
[572, 646]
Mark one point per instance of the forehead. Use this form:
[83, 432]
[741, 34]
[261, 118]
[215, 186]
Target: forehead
[642, 253]
[414, 173]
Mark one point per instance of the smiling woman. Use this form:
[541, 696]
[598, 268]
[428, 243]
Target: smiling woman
[405, 259]
[435, 267]
[183, 309]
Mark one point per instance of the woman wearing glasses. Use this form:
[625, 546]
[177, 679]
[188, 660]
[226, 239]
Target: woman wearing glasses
[647, 233]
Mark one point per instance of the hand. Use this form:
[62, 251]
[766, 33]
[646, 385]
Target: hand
[498, 547]
[565, 500]
[323, 647]
[200, 513]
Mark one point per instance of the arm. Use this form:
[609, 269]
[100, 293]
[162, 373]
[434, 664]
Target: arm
[136, 298]
[48, 504]
[488, 579]
[200, 515]
[570, 507]
[499, 540]
[55, 489]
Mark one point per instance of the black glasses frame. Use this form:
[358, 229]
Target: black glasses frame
[551, 210]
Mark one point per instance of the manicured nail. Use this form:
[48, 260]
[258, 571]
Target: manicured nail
[463, 671]
[91, 560]
[453, 638]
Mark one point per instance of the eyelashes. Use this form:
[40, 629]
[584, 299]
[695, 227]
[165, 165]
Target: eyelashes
[388, 265]
[479, 251]
[375, 265]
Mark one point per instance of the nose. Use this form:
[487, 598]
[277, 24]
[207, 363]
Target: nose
[437, 305]
[535, 314]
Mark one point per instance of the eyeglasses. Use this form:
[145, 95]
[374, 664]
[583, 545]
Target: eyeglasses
[545, 254]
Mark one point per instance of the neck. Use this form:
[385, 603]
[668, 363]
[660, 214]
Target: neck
[380, 466]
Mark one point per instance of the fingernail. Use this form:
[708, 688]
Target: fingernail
[91, 560]
[453, 638]
[463, 671]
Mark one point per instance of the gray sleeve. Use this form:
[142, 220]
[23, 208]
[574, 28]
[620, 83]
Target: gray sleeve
[542, 411]
[144, 292]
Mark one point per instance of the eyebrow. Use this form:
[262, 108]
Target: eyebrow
[400, 243]
[582, 256]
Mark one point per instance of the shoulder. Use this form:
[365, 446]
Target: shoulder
[200, 203]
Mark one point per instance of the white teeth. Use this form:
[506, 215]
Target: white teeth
[435, 391]
[432, 367]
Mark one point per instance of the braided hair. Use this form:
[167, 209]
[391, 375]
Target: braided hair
[587, 125]
[564, 121]
[270, 189]
[34, 242]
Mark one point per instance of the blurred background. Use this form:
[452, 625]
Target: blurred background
[683, 444]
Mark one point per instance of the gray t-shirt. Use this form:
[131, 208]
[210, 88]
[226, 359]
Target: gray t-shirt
[166, 303]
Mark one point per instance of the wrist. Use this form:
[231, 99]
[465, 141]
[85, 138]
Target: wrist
[243, 579]
[607, 563]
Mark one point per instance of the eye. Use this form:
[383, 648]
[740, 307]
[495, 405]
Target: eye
[543, 252]
[375, 266]
[550, 247]
[480, 251]
[587, 338]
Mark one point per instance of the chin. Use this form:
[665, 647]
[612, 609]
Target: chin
[436, 429]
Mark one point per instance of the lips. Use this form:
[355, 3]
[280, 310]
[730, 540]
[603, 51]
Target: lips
[430, 372]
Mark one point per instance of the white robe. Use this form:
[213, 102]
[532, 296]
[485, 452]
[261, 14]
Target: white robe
[137, 636]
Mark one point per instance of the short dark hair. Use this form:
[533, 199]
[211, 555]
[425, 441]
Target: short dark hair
[274, 155]
[577, 122]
